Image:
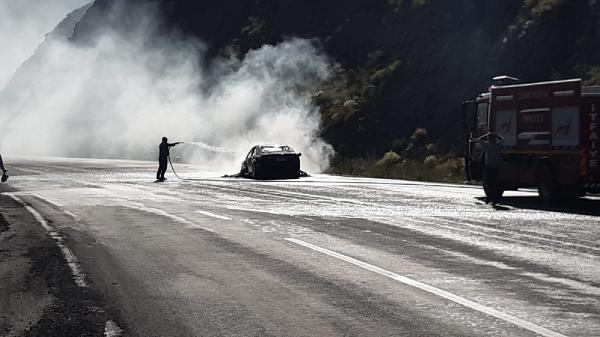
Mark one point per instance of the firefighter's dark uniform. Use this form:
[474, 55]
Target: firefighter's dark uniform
[492, 157]
[163, 159]
[4, 175]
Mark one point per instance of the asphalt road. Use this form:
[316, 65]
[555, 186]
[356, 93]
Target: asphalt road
[318, 256]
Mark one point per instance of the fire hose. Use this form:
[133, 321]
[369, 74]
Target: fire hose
[175, 172]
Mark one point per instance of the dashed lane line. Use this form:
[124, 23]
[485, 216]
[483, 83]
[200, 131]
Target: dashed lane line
[57, 205]
[144, 208]
[213, 215]
[435, 291]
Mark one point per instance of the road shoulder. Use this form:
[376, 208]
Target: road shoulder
[39, 296]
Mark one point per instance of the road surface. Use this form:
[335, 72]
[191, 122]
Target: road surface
[318, 256]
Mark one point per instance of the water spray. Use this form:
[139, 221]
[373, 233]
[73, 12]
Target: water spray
[204, 146]
[210, 148]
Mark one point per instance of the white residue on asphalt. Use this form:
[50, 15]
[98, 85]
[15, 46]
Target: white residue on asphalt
[57, 205]
[575, 285]
[72, 261]
[472, 259]
[435, 291]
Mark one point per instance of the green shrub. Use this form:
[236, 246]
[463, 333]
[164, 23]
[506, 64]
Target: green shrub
[419, 135]
[430, 161]
[389, 159]
[419, 3]
[592, 76]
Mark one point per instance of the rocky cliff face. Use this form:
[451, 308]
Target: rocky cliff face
[396, 64]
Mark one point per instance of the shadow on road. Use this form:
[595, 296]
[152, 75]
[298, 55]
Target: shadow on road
[578, 206]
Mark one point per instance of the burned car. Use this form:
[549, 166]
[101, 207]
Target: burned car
[271, 162]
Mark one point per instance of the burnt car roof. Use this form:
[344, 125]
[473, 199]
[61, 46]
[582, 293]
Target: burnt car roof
[286, 148]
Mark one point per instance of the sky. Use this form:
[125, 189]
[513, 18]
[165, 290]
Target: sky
[23, 25]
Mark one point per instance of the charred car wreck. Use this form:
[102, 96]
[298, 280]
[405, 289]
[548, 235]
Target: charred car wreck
[272, 162]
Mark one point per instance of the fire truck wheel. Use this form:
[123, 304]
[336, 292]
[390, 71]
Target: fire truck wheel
[548, 189]
[499, 192]
[493, 195]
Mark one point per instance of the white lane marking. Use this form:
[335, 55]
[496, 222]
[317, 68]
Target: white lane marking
[53, 203]
[213, 215]
[111, 329]
[433, 290]
[72, 261]
[160, 212]
[57, 205]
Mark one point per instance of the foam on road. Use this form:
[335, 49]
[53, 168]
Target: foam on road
[435, 291]
[525, 266]
[71, 259]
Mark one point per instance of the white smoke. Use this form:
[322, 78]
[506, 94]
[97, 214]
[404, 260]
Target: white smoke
[23, 24]
[117, 98]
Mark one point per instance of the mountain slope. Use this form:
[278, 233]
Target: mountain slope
[396, 64]
[17, 88]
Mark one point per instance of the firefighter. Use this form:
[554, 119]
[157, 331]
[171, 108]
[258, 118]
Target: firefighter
[163, 157]
[467, 161]
[4, 175]
[491, 157]
[467, 164]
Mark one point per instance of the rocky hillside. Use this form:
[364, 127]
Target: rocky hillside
[398, 64]
[33, 67]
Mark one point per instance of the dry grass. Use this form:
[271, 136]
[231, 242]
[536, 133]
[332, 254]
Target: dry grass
[432, 169]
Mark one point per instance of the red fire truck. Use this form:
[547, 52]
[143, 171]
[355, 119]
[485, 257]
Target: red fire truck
[550, 136]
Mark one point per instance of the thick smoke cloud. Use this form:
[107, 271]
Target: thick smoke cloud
[23, 24]
[118, 96]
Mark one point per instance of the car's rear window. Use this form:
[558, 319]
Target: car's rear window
[270, 149]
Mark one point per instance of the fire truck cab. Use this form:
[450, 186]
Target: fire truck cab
[550, 136]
